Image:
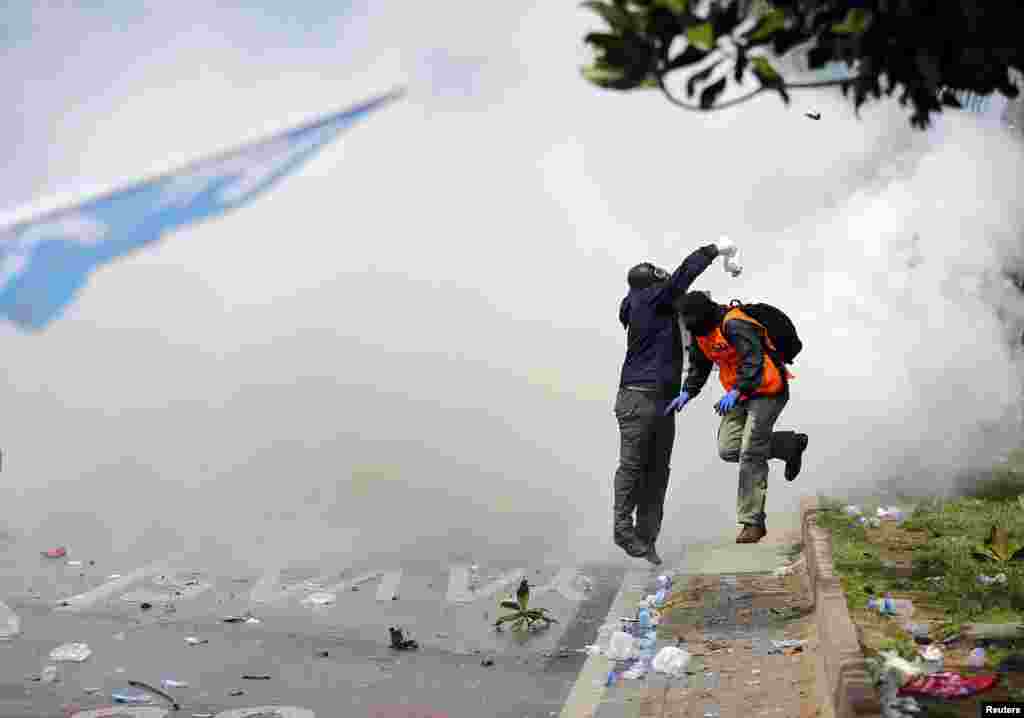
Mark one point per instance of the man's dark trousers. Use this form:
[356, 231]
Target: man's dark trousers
[641, 480]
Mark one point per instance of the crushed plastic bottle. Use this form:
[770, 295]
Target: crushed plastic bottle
[71, 653]
[976, 659]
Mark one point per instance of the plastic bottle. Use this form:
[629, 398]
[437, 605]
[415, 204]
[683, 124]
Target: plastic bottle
[645, 619]
[664, 583]
[660, 597]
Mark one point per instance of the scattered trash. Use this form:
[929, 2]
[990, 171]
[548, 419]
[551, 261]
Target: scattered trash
[440, 635]
[145, 605]
[672, 661]
[169, 683]
[49, 675]
[787, 644]
[10, 624]
[113, 576]
[247, 618]
[889, 606]
[399, 642]
[933, 657]
[892, 513]
[91, 691]
[155, 691]
[917, 630]
[129, 695]
[255, 677]
[976, 659]
[74, 563]
[610, 681]
[193, 641]
[487, 662]
[322, 654]
[474, 577]
[235, 693]
[59, 552]
[622, 646]
[948, 685]
[321, 599]
[852, 510]
[999, 578]
[756, 671]
[71, 652]
[202, 715]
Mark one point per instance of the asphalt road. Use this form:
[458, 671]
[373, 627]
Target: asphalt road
[334, 660]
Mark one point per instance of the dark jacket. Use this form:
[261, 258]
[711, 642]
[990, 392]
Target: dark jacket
[746, 338]
[654, 352]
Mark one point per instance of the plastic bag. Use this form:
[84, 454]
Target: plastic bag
[622, 647]
[71, 652]
[672, 661]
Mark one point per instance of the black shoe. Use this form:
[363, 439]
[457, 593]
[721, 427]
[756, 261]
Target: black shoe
[794, 464]
[653, 556]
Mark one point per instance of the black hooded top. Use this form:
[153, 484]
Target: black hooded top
[654, 352]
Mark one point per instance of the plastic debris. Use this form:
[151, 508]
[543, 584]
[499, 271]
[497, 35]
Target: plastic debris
[934, 658]
[247, 618]
[622, 646]
[786, 645]
[235, 693]
[899, 669]
[976, 659]
[74, 564]
[610, 680]
[155, 691]
[59, 552]
[170, 683]
[999, 578]
[131, 695]
[321, 599]
[852, 510]
[474, 577]
[948, 685]
[672, 661]
[889, 606]
[487, 662]
[49, 674]
[71, 653]
[10, 624]
[145, 605]
[399, 642]
[193, 641]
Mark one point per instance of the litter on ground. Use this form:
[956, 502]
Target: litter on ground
[71, 653]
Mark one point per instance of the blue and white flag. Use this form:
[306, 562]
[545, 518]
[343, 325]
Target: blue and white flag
[46, 260]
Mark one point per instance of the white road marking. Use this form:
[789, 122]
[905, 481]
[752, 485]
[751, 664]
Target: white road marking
[460, 592]
[564, 583]
[388, 588]
[100, 593]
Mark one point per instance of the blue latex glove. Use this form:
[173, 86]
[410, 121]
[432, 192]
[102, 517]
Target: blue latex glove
[727, 402]
[678, 403]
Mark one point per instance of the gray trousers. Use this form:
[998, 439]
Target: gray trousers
[747, 435]
[642, 477]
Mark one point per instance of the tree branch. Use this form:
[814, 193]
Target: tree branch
[749, 96]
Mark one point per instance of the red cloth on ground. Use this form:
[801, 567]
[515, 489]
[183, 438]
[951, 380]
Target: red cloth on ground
[948, 685]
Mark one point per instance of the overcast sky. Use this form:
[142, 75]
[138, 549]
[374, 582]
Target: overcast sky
[417, 335]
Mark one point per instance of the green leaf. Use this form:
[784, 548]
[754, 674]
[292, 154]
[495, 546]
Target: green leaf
[771, 21]
[617, 18]
[700, 77]
[701, 36]
[857, 20]
[676, 6]
[603, 76]
[506, 618]
[510, 604]
[711, 93]
[765, 72]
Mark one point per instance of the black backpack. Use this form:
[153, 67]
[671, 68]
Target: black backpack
[780, 327]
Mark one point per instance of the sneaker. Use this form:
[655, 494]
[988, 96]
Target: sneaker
[794, 464]
[653, 556]
[751, 534]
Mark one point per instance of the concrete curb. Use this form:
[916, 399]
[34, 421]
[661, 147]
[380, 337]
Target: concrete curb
[848, 681]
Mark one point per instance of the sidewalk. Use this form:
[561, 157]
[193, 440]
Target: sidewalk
[727, 608]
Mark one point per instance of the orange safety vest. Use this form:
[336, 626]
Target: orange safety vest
[722, 353]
